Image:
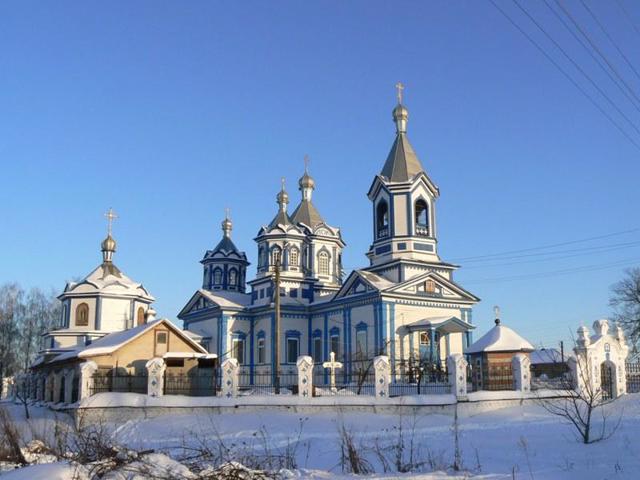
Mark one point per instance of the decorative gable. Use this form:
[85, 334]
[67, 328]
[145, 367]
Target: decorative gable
[432, 285]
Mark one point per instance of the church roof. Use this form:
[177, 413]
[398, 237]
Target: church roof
[500, 339]
[306, 213]
[107, 278]
[226, 247]
[282, 218]
[402, 162]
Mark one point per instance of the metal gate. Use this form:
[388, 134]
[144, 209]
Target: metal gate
[606, 381]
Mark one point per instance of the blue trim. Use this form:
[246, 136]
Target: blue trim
[309, 327]
[361, 326]
[131, 313]
[292, 333]
[317, 333]
[376, 329]
[252, 364]
[274, 366]
[326, 345]
[409, 213]
[345, 340]
[392, 216]
[97, 323]
[223, 337]
[261, 334]
[334, 331]
[392, 330]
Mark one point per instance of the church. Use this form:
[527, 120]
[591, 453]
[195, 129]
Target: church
[404, 304]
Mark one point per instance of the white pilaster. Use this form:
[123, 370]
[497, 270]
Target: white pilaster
[57, 383]
[305, 376]
[457, 368]
[230, 372]
[521, 368]
[68, 373]
[382, 369]
[155, 377]
[87, 369]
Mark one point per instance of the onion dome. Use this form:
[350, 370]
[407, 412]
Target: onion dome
[108, 247]
[400, 117]
[227, 226]
[306, 182]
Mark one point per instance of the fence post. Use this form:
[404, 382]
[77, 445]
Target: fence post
[457, 370]
[305, 376]
[521, 368]
[87, 369]
[230, 369]
[155, 376]
[382, 370]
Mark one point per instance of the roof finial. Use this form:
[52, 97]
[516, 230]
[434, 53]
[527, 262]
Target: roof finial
[111, 216]
[400, 88]
[227, 225]
[496, 313]
[108, 245]
[283, 197]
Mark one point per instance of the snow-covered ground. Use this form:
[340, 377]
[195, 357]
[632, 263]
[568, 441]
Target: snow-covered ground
[516, 442]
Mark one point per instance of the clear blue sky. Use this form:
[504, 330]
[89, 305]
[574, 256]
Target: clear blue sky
[171, 111]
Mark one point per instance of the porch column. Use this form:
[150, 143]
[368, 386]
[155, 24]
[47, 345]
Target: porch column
[57, 383]
[411, 344]
[432, 341]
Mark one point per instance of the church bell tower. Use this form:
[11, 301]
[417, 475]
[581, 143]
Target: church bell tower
[403, 198]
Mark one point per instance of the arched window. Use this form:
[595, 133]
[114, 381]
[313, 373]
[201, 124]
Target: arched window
[382, 219]
[82, 315]
[293, 257]
[217, 276]
[233, 277]
[276, 256]
[140, 316]
[323, 263]
[422, 217]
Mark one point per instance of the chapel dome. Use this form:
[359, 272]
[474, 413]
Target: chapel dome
[306, 181]
[108, 244]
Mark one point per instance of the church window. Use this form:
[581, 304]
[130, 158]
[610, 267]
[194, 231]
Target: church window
[82, 315]
[382, 219]
[323, 263]
[422, 217]
[261, 351]
[317, 349]
[335, 343]
[217, 276]
[361, 343]
[293, 257]
[276, 256]
[233, 277]
[237, 350]
[293, 345]
[140, 316]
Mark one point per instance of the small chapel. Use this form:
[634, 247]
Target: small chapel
[405, 303]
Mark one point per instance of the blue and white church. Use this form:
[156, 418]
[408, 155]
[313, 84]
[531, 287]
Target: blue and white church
[404, 304]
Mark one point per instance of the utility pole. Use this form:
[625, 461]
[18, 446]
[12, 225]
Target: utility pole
[276, 301]
[562, 351]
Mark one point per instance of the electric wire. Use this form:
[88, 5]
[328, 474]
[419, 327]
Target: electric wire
[592, 55]
[613, 42]
[567, 76]
[577, 66]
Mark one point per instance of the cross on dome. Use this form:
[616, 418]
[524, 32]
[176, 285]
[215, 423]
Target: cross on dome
[110, 216]
[399, 88]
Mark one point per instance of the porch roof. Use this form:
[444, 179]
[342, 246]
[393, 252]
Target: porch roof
[442, 324]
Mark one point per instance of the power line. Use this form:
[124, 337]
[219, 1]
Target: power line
[615, 44]
[591, 54]
[507, 264]
[577, 66]
[552, 245]
[624, 10]
[555, 273]
[567, 76]
[598, 51]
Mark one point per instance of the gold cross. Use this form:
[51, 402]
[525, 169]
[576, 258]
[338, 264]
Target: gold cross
[400, 88]
[306, 164]
[111, 216]
[226, 213]
[282, 181]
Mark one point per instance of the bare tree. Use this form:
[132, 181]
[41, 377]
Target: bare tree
[11, 310]
[580, 401]
[625, 300]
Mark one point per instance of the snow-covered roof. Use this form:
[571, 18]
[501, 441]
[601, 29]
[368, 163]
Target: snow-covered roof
[108, 279]
[114, 341]
[376, 280]
[227, 299]
[189, 355]
[500, 339]
[545, 355]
